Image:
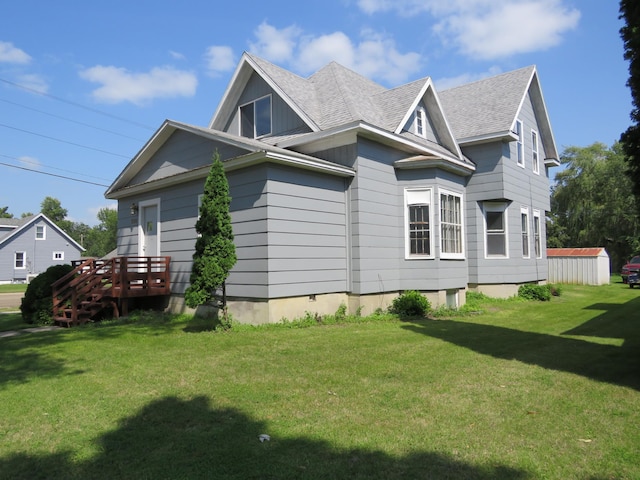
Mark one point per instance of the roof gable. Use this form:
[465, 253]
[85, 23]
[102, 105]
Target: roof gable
[26, 222]
[487, 109]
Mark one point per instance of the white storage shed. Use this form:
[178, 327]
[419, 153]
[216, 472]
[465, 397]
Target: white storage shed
[581, 266]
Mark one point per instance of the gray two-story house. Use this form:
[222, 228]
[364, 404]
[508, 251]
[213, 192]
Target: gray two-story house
[344, 191]
[30, 245]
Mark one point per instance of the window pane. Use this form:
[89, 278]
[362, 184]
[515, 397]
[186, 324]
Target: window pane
[495, 221]
[525, 234]
[246, 121]
[450, 224]
[263, 116]
[495, 245]
[419, 237]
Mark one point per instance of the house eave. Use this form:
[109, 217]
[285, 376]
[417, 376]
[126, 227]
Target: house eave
[432, 161]
[505, 136]
[237, 163]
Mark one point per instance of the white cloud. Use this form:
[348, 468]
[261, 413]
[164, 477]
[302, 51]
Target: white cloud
[219, 59]
[177, 55]
[451, 82]
[11, 54]
[34, 82]
[273, 44]
[30, 162]
[489, 29]
[120, 85]
[374, 56]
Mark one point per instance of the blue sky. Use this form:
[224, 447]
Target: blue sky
[83, 85]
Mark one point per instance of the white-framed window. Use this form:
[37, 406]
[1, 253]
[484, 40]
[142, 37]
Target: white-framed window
[537, 234]
[535, 157]
[418, 221]
[495, 220]
[20, 260]
[58, 255]
[255, 118]
[41, 232]
[451, 225]
[421, 118]
[519, 143]
[524, 227]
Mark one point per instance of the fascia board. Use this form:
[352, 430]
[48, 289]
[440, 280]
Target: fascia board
[237, 163]
[411, 164]
[506, 136]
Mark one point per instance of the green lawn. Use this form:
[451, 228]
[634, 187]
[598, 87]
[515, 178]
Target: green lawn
[517, 390]
[13, 287]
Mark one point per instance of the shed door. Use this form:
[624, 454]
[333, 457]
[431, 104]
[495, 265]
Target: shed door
[149, 240]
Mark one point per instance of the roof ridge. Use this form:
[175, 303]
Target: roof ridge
[492, 77]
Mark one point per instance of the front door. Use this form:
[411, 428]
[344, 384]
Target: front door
[149, 244]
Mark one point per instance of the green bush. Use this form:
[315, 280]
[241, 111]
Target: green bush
[535, 292]
[37, 303]
[410, 304]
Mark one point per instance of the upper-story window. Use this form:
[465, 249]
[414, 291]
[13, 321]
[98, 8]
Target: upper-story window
[40, 232]
[535, 158]
[420, 122]
[520, 143]
[255, 118]
[536, 233]
[418, 223]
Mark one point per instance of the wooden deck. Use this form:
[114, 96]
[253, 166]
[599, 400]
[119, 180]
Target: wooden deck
[96, 285]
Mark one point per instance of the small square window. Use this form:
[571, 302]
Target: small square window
[58, 255]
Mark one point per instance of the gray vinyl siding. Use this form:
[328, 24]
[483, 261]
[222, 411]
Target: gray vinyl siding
[182, 152]
[498, 177]
[39, 253]
[283, 118]
[430, 131]
[378, 229]
[307, 233]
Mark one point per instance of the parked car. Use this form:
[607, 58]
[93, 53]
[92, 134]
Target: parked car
[632, 266]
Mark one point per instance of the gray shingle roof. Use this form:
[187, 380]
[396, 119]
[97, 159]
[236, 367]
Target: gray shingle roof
[487, 106]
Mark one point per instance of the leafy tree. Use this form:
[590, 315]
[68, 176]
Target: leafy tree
[630, 139]
[101, 239]
[4, 213]
[26, 214]
[52, 208]
[592, 204]
[215, 253]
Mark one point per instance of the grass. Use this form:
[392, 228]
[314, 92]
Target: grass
[511, 389]
[13, 288]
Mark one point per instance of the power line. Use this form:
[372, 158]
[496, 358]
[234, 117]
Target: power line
[69, 120]
[36, 163]
[54, 175]
[63, 141]
[78, 105]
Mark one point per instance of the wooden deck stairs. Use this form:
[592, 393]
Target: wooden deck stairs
[97, 287]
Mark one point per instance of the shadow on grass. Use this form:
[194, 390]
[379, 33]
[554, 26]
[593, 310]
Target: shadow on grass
[174, 438]
[618, 365]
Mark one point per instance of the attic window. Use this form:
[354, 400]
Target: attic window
[420, 121]
[255, 118]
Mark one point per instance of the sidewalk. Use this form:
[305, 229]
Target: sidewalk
[11, 300]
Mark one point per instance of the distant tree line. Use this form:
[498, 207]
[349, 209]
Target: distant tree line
[97, 240]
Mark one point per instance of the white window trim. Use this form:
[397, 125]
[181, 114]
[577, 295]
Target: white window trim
[443, 254]
[537, 242]
[24, 260]
[525, 211]
[520, 143]
[44, 232]
[254, 101]
[535, 151]
[407, 244]
[61, 256]
[421, 120]
[496, 207]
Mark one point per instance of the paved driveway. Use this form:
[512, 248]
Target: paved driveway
[10, 300]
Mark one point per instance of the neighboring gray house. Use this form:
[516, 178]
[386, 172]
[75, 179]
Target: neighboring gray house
[344, 191]
[30, 245]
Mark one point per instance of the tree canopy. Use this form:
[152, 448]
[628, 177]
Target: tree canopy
[630, 139]
[592, 204]
[215, 252]
[4, 212]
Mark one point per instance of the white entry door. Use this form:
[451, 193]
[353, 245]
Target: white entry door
[148, 234]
